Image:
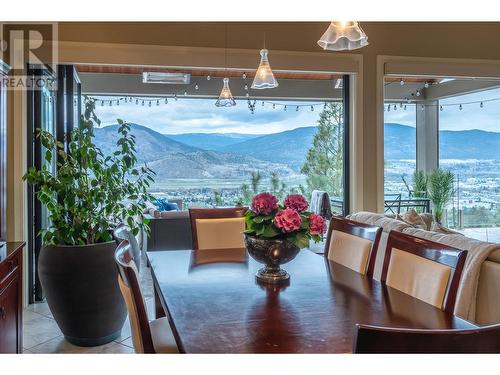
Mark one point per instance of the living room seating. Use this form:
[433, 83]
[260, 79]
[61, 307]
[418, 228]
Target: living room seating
[353, 244]
[217, 228]
[147, 337]
[477, 297]
[379, 340]
[423, 269]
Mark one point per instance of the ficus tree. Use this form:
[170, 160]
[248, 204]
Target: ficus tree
[91, 193]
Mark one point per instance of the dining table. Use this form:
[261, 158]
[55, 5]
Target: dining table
[215, 304]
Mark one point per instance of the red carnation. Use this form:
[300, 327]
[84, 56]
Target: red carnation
[264, 203]
[288, 220]
[297, 202]
[317, 224]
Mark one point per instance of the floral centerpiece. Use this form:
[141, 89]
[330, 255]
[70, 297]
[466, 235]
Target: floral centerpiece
[276, 232]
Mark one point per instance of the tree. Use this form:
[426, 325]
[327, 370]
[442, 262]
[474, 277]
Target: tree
[323, 166]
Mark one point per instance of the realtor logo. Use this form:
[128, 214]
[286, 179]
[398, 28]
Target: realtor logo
[29, 48]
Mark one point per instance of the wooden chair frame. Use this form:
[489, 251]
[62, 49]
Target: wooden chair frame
[443, 254]
[378, 340]
[212, 213]
[362, 230]
[124, 260]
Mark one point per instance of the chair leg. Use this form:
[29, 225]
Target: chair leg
[159, 312]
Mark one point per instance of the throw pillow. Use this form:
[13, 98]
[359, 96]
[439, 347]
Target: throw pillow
[411, 217]
[436, 227]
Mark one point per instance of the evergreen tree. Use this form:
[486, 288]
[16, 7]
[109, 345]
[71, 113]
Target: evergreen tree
[323, 166]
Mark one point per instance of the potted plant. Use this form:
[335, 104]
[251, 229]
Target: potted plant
[440, 189]
[275, 232]
[90, 194]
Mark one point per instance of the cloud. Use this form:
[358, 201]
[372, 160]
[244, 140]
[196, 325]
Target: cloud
[202, 116]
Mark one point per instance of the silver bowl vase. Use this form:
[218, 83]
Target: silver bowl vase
[272, 253]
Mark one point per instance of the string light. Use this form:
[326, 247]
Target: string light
[246, 87]
[422, 107]
[274, 106]
[441, 108]
[157, 102]
[118, 102]
[244, 75]
[388, 108]
[149, 104]
[208, 77]
[297, 109]
[102, 103]
[402, 82]
[312, 108]
[143, 103]
[417, 93]
[460, 107]
[285, 108]
[481, 105]
[263, 103]
[405, 107]
[136, 101]
[247, 95]
[426, 85]
[395, 108]
[196, 87]
[166, 101]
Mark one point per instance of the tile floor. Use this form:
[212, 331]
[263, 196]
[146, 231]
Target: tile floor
[42, 335]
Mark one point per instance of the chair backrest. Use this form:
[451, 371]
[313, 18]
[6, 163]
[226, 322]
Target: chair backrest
[353, 244]
[129, 285]
[121, 233]
[424, 269]
[217, 228]
[373, 340]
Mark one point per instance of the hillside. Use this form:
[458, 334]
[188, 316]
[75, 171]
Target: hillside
[210, 141]
[289, 147]
[400, 143]
[173, 159]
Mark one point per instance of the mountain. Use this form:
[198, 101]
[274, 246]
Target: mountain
[288, 147]
[172, 159]
[211, 141]
[400, 141]
[151, 145]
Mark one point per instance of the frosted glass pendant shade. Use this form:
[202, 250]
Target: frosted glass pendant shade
[264, 77]
[225, 97]
[341, 36]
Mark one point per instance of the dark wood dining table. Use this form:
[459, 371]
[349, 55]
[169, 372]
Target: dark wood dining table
[215, 305]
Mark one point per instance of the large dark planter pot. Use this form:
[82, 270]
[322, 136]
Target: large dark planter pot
[81, 287]
[273, 253]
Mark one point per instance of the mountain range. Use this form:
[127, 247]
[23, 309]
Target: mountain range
[234, 155]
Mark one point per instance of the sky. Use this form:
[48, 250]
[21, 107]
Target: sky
[452, 118]
[202, 116]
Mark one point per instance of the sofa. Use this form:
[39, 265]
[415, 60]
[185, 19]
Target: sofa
[170, 231]
[479, 292]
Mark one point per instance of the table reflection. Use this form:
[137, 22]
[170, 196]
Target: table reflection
[230, 257]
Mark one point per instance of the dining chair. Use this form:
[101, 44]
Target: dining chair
[424, 269]
[352, 244]
[147, 337]
[217, 228]
[379, 340]
[120, 233]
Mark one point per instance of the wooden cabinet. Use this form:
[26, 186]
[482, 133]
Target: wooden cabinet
[11, 297]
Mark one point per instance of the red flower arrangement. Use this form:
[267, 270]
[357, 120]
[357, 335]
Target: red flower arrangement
[269, 220]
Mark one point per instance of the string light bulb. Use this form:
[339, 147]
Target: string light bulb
[244, 75]
[441, 108]
[426, 85]
[143, 103]
[395, 108]
[196, 87]
[312, 108]
[157, 102]
[417, 93]
[481, 105]
[285, 108]
[422, 107]
[297, 109]
[274, 106]
[136, 101]
[166, 101]
[185, 93]
[247, 95]
[208, 77]
[402, 82]
[460, 107]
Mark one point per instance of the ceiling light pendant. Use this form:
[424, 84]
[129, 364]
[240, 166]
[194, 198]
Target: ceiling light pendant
[264, 77]
[341, 36]
[226, 97]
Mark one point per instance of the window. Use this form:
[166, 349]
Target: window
[208, 156]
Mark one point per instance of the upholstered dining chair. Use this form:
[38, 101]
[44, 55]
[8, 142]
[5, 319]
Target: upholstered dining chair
[217, 228]
[121, 233]
[424, 269]
[148, 337]
[352, 244]
[379, 340]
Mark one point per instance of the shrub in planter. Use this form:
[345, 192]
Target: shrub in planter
[90, 194]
